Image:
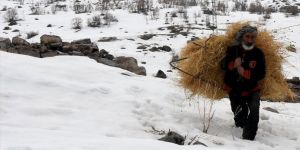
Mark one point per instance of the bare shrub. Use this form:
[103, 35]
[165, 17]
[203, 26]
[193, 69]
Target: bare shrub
[31, 34]
[108, 18]
[95, 21]
[208, 114]
[76, 23]
[240, 6]
[36, 10]
[154, 13]
[256, 8]
[4, 8]
[11, 16]
[293, 10]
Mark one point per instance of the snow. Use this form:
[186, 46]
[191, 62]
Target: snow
[72, 102]
[75, 103]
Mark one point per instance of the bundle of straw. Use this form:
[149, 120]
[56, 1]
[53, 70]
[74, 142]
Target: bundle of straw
[203, 63]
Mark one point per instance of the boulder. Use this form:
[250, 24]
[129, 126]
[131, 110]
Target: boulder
[48, 39]
[82, 41]
[5, 43]
[161, 74]
[130, 64]
[19, 41]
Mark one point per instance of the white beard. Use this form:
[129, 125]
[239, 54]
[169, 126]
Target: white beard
[246, 47]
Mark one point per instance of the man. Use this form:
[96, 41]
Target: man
[244, 66]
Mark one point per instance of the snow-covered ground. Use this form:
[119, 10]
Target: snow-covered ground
[75, 103]
[70, 102]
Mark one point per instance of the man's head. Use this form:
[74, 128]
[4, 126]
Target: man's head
[246, 37]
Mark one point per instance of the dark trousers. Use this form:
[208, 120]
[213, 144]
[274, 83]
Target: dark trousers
[246, 112]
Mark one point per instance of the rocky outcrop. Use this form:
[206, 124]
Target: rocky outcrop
[52, 45]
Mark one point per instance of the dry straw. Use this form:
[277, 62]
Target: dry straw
[203, 62]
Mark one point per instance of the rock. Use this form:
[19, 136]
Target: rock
[55, 46]
[49, 54]
[82, 41]
[161, 74]
[130, 64]
[19, 41]
[25, 50]
[35, 45]
[107, 62]
[6, 28]
[294, 80]
[49, 25]
[146, 36]
[130, 39]
[154, 49]
[16, 30]
[291, 48]
[107, 39]
[173, 137]
[83, 48]
[76, 53]
[142, 47]
[48, 39]
[165, 48]
[5, 43]
[12, 23]
[66, 49]
[105, 54]
[271, 109]
[194, 38]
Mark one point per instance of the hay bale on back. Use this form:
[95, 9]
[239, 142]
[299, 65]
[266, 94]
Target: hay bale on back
[203, 62]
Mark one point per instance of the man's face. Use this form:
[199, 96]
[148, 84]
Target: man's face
[249, 38]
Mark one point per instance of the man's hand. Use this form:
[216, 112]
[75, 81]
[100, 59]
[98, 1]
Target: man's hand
[240, 70]
[237, 62]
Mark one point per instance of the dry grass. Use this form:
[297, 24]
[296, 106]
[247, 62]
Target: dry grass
[204, 56]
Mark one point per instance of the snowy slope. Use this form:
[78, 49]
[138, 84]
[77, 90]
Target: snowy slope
[75, 103]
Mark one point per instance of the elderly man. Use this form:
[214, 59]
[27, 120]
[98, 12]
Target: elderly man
[244, 66]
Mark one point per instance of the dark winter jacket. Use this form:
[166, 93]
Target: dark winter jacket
[253, 62]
